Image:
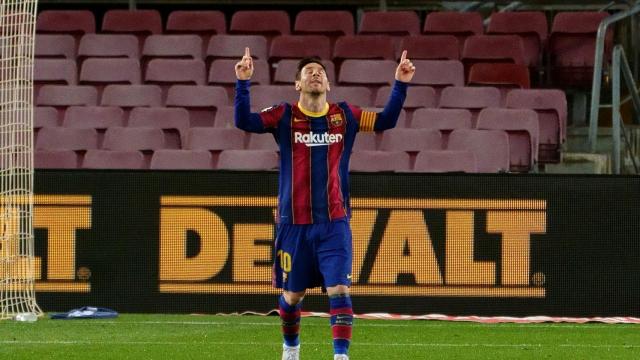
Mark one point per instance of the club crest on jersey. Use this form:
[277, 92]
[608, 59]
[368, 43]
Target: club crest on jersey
[336, 119]
[316, 139]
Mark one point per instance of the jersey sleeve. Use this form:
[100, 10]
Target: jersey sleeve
[262, 122]
[366, 119]
[388, 117]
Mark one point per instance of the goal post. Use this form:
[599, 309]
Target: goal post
[17, 272]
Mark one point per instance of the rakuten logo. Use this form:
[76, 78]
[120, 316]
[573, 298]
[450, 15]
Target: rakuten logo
[315, 139]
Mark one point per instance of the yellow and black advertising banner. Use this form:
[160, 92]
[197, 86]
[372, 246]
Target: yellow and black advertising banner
[201, 241]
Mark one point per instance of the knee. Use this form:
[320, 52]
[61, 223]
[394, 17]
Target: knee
[293, 298]
[338, 290]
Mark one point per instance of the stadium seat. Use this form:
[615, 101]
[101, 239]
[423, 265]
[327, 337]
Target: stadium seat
[62, 138]
[410, 140]
[103, 71]
[224, 117]
[286, 71]
[500, 75]
[354, 95]
[371, 73]
[172, 46]
[55, 46]
[181, 160]
[459, 24]
[491, 148]
[332, 23]
[531, 26]
[390, 23]
[232, 47]
[63, 96]
[299, 46]
[438, 74]
[128, 96]
[443, 120]
[431, 47]
[248, 160]
[222, 72]
[264, 96]
[522, 127]
[66, 21]
[572, 47]
[492, 49]
[377, 161]
[200, 101]
[93, 117]
[45, 116]
[55, 71]
[417, 97]
[363, 47]
[138, 22]
[438, 161]
[215, 139]
[471, 98]
[114, 159]
[265, 22]
[174, 123]
[204, 23]
[62, 159]
[262, 142]
[108, 45]
[551, 106]
[133, 139]
[170, 71]
[366, 141]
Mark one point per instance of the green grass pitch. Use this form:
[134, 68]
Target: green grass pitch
[254, 337]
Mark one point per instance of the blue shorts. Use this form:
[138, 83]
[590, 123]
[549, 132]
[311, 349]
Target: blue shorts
[308, 256]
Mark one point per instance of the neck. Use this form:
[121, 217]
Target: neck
[313, 103]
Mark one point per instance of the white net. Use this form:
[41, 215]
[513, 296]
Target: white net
[17, 38]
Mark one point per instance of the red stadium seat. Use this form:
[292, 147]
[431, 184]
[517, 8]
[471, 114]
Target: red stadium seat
[45, 116]
[55, 46]
[63, 96]
[503, 76]
[114, 159]
[459, 24]
[128, 96]
[202, 22]
[265, 22]
[438, 74]
[522, 127]
[492, 49]
[201, 102]
[531, 26]
[437, 161]
[61, 138]
[354, 95]
[326, 22]
[410, 140]
[170, 71]
[109, 45]
[66, 21]
[299, 46]
[572, 47]
[133, 139]
[367, 72]
[172, 46]
[264, 96]
[93, 117]
[443, 120]
[417, 97]
[232, 47]
[431, 47]
[390, 23]
[286, 71]
[222, 73]
[471, 98]
[139, 22]
[377, 161]
[102, 71]
[174, 123]
[248, 160]
[551, 107]
[364, 47]
[62, 159]
[215, 139]
[262, 142]
[181, 160]
[55, 71]
[491, 148]
[366, 141]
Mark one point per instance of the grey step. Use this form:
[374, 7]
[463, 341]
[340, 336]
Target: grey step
[581, 163]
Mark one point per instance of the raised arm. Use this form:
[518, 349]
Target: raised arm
[244, 118]
[388, 118]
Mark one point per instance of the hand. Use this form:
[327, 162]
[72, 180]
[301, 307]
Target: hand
[244, 67]
[405, 69]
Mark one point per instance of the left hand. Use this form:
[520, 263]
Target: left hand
[405, 69]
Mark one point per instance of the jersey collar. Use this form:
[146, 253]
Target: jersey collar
[314, 114]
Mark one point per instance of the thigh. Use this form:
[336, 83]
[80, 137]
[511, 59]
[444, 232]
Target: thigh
[334, 254]
[294, 267]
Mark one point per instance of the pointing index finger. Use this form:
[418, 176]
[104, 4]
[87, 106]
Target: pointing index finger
[246, 52]
[404, 56]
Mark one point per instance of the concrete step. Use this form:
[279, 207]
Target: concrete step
[581, 163]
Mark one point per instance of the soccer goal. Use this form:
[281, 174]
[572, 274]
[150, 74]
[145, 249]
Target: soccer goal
[17, 276]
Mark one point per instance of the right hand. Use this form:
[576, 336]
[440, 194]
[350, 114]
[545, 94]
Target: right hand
[244, 67]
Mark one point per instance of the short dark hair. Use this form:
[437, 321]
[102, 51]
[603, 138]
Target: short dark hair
[308, 60]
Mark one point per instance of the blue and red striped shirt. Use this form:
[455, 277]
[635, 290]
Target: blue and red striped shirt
[314, 151]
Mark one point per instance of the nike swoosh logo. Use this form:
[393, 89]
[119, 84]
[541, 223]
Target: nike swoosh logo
[299, 120]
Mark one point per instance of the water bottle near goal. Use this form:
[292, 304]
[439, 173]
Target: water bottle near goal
[26, 317]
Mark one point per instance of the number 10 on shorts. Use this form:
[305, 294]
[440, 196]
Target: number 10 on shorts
[285, 260]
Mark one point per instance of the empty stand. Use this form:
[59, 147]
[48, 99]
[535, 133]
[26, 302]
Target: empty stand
[61, 138]
[114, 159]
[366, 141]
[431, 47]
[44, 116]
[491, 148]
[438, 74]
[232, 47]
[62, 96]
[327, 22]
[128, 96]
[492, 49]
[215, 139]
[55, 71]
[367, 72]
[459, 24]
[174, 122]
[248, 160]
[264, 96]
[286, 71]
[225, 117]
[262, 142]
[103, 71]
[377, 161]
[202, 22]
[139, 22]
[410, 140]
[63, 159]
[133, 139]
[172, 46]
[265, 22]
[66, 21]
[363, 47]
[181, 160]
[170, 71]
[522, 127]
[355, 95]
[438, 161]
[55, 46]
[531, 26]
[201, 102]
[109, 45]
[390, 23]
[500, 75]
[299, 46]
[93, 117]
[443, 120]
[471, 98]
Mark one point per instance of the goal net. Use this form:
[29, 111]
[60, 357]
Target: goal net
[17, 38]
